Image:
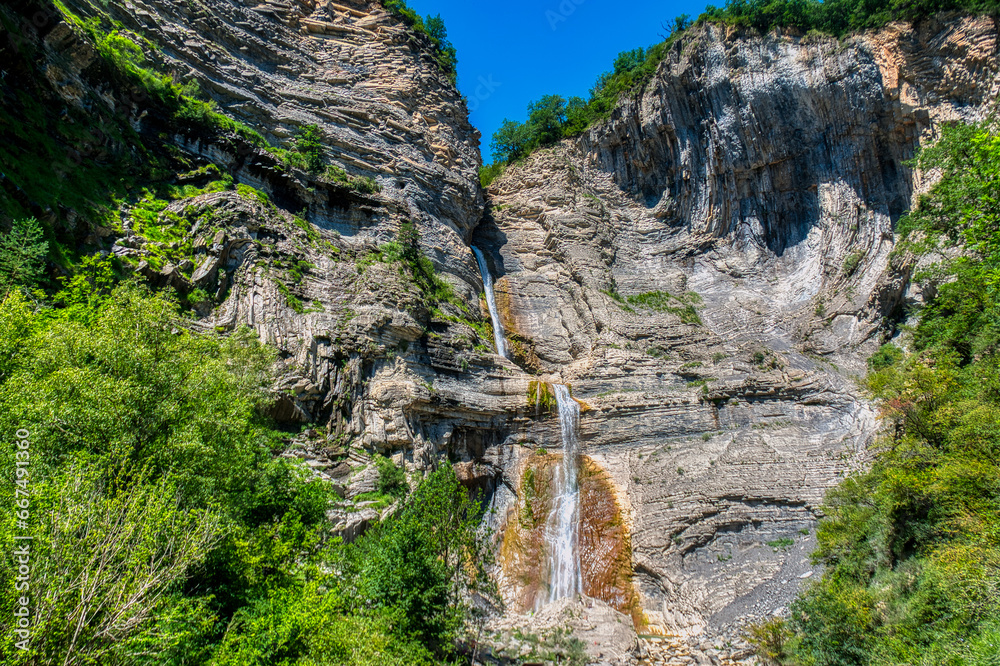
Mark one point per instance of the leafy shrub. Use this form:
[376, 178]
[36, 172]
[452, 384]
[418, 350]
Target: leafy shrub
[887, 356]
[252, 194]
[661, 301]
[490, 172]
[769, 639]
[309, 145]
[160, 515]
[365, 184]
[305, 626]
[851, 263]
[391, 479]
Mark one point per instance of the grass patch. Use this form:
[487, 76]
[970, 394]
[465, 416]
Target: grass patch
[661, 301]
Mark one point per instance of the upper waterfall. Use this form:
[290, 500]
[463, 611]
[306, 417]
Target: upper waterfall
[491, 301]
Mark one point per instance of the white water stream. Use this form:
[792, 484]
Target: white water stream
[491, 301]
[563, 529]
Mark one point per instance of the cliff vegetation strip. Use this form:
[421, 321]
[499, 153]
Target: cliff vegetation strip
[912, 546]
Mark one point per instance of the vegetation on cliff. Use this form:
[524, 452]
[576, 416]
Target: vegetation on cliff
[912, 547]
[434, 29]
[77, 171]
[835, 17]
[165, 530]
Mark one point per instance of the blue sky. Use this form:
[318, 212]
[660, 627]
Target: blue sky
[513, 52]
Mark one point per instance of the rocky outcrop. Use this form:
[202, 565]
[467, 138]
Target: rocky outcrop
[384, 108]
[366, 352]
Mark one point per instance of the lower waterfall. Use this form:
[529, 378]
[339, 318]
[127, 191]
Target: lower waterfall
[563, 528]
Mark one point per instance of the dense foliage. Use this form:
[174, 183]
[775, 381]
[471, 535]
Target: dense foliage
[166, 531]
[552, 118]
[78, 168]
[912, 547]
[22, 255]
[836, 17]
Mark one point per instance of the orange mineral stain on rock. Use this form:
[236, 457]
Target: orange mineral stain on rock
[605, 540]
[523, 553]
[605, 543]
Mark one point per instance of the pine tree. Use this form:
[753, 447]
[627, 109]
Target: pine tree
[22, 255]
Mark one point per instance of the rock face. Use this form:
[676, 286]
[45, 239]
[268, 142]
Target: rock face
[708, 269]
[366, 352]
[384, 108]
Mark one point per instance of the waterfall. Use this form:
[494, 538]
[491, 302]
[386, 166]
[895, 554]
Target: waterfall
[563, 530]
[491, 300]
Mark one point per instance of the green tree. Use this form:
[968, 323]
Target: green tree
[22, 255]
[161, 509]
[680, 24]
[628, 61]
[436, 28]
[422, 565]
[105, 549]
[391, 479]
[546, 118]
[511, 141]
[578, 116]
[309, 143]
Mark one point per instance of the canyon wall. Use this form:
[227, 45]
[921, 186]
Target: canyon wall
[710, 267]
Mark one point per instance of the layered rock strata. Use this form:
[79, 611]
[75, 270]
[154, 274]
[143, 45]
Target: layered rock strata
[709, 268]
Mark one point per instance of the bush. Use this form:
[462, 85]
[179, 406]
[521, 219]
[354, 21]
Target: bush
[306, 626]
[490, 172]
[165, 528]
[887, 356]
[769, 639]
[391, 479]
[309, 145]
[851, 263]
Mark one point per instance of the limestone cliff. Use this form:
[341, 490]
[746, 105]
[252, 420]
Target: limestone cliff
[710, 267]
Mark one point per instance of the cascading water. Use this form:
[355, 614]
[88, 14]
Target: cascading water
[491, 301]
[563, 530]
